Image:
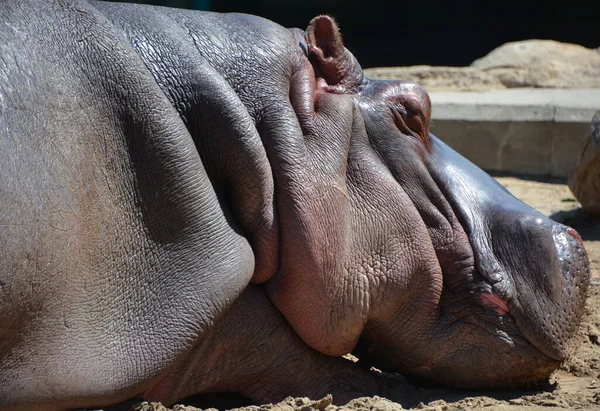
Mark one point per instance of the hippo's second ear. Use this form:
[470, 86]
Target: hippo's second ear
[332, 61]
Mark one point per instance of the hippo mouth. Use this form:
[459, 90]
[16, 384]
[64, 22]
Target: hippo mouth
[546, 308]
[496, 302]
[522, 345]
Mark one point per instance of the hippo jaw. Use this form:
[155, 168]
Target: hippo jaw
[480, 339]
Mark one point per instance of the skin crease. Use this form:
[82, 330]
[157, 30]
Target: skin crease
[199, 202]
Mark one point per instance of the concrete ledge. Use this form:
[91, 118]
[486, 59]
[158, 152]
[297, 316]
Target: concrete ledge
[533, 131]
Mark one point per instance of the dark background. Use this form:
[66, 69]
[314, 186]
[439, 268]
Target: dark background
[410, 32]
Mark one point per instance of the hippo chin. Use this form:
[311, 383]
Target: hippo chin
[195, 203]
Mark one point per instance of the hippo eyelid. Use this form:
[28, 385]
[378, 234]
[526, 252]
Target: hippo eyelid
[398, 108]
[401, 109]
[415, 108]
[400, 115]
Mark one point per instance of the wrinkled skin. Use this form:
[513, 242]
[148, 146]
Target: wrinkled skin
[194, 202]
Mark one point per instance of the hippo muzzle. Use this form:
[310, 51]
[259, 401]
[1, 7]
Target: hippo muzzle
[537, 270]
[506, 315]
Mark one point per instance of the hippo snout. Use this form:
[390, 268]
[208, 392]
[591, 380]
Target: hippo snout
[512, 290]
[534, 272]
[562, 292]
[540, 269]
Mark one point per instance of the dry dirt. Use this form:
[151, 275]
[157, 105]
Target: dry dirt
[576, 385]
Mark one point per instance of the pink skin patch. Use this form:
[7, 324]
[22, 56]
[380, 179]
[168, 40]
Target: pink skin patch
[575, 235]
[498, 303]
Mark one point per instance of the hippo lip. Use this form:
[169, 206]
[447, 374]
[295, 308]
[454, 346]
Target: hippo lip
[493, 297]
[495, 294]
[503, 308]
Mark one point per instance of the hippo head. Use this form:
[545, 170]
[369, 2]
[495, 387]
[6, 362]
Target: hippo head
[397, 248]
[509, 283]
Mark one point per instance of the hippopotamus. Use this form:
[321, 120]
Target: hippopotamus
[194, 202]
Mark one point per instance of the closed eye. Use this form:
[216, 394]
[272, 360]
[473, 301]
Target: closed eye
[411, 122]
[400, 108]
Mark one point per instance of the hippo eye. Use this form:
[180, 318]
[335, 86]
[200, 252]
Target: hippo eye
[400, 109]
[409, 121]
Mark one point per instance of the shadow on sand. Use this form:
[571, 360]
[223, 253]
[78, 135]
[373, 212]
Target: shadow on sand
[586, 225]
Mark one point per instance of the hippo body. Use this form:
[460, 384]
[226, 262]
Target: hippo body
[195, 202]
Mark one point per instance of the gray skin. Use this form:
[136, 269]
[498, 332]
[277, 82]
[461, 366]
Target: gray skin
[193, 202]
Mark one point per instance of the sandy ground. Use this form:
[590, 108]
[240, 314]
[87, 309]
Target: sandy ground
[576, 385]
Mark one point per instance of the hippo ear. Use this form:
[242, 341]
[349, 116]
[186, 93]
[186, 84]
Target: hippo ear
[332, 61]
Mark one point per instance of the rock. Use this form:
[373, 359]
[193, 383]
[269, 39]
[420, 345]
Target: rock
[542, 63]
[440, 78]
[371, 404]
[585, 181]
[528, 63]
